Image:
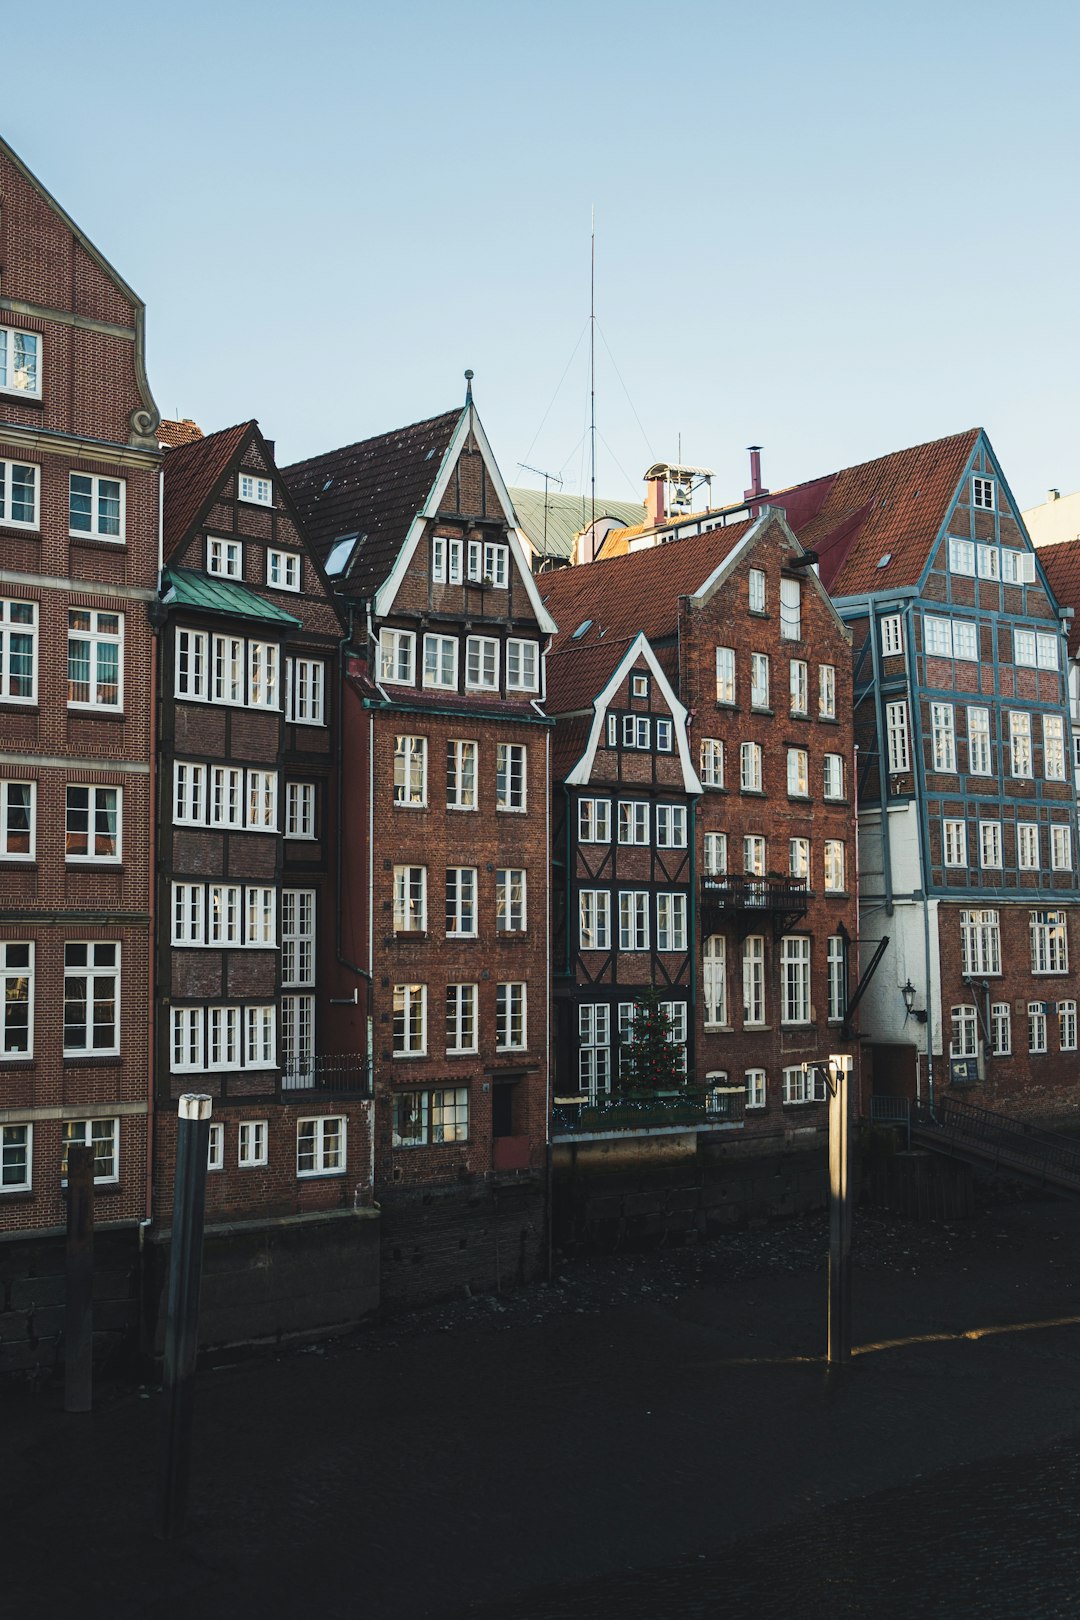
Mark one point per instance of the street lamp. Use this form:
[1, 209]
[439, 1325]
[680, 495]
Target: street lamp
[909, 993]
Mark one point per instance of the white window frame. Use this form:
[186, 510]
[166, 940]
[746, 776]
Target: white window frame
[756, 1087]
[1049, 940]
[410, 773]
[799, 859]
[753, 981]
[594, 1048]
[827, 691]
[836, 979]
[990, 853]
[964, 1031]
[446, 559]
[215, 1147]
[1060, 846]
[671, 826]
[462, 1019]
[1000, 1028]
[397, 657]
[800, 1084]
[16, 344]
[481, 664]
[511, 778]
[1066, 1012]
[833, 773]
[756, 590]
[725, 675]
[298, 938]
[715, 854]
[633, 920]
[750, 767]
[441, 662]
[594, 920]
[97, 640]
[224, 557]
[283, 570]
[892, 635]
[11, 811]
[980, 744]
[980, 943]
[103, 1135]
[26, 630]
[898, 737]
[633, 822]
[8, 470]
[982, 493]
[300, 811]
[798, 773]
[511, 900]
[795, 990]
[835, 869]
[799, 686]
[1021, 758]
[261, 801]
[306, 685]
[943, 737]
[462, 758]
[954, 843]
[671, 913]
[760, 681]
[461, 902]
[511, 1016]
[94, 974]
[712, 762]
[522, 665]
[253, 1144]
[790, 608]
[1037, 1027]
[254, 489]
[263, 666]
[961, 556]
[594, 821]
[754, 857]
[13, 972]
[664, 733]
[714, 981]
[16, 1150]
[94, 806]
[1053, 730]
[321, 1145]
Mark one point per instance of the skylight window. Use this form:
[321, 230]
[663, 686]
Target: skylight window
[883, 562]
[586, 624]
[337, 558]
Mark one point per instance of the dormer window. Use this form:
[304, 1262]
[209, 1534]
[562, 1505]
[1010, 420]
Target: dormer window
[982, 493]
[224, 558]
[20, 362]
[258, 491]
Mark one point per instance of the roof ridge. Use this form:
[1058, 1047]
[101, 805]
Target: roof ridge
[372, 438]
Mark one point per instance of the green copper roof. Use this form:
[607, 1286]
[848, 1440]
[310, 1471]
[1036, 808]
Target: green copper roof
[183, 587]
[567, 515]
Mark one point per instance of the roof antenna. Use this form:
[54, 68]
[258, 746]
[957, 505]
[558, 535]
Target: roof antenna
[548, 477]
[592, 362]
[468, 387]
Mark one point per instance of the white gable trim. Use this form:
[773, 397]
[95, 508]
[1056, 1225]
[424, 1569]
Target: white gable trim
[639, 648]
[767, 515]
[468, 423]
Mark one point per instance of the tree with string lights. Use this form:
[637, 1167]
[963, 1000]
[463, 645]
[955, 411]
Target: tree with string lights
[651, 1060]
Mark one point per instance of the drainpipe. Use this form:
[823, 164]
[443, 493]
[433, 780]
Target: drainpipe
[549, 1095]
[915, 738]
[152, 814]
[343, 645]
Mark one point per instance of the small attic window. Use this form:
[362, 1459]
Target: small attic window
[883, 562]
[327, 485]
[430, 453]
[586, 624]
[338, 556]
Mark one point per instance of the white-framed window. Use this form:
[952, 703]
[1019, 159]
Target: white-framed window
[482, 663]
[982, 493]
[297, 1037]
[227, 660]
[224, 557]
[262, 800]
[283, 570]
[461, 902]
[955, 638]
[714, 979]
[834, 776]
[954, 842]
[16, 999]
[1019, 743]
[799, 859]
[795, 979]
[1066, 1011]
[961, 557]
[1017, 567]
[1060, 847]
[943, 736]
[320, 1145]
[255, 490]
[790, 608]
[966, 640]
[511, 782]
[594, 821]
[755, 1087]
[20, 362]
[980, 756]
[896, 737]
[20, 485]
[189, 794]
[827, 691]
[441, 661]
[298, 937]
[263, 675]
[633, 920]
[712, 762]
[989, 845]
[446, 560]
[1047, 649]
[103, 1135]
[759, 680]
[188, 1032]
[18, 820]
[488, 563]
[1000, 1028]
[410, 772]
[16, 1157]
[188, 914]
[799, 685]
[300, 810]
[725, 675]
[397, 657]
[1053, 728]
[835, 876]
[989, 562]
[1049, 942]
[664, 736]
[96, 507]
[510, 900]
[750, 767]
[1027, 846]
[892, 634]
[461, 1019]
[460, 774]
[636, 731]
[95, 659]
[756, 590]
[594, 1048]
[18, 651]
[594, 920]
[671, 922]
[753, 979]
[306, 682]
[677, 1014]
[964, 1036]
[980, 942]
[1037, 1026]
[836, 978]
[91, 998]
[410, 899]
[798, 773]
[224, 914]
[754, 854]
[633, 821]
[254, 1144]
[92, 823]
[522, 666]
[225, 1048]
[800, 1085]
[671, 826]
[410, 1020]
[639, 686]
[510, 1017]
[715, 854]
[431, 1117]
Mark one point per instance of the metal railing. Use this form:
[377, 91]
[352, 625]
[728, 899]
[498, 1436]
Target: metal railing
[783, 899]
[667, 1111]
[1051, 1155]
[341, 1072]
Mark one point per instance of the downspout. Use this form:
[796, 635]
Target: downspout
[693, 926]
[883, 757]
[343, 645]
[858, 922]
[152, 812]
[915, 735]
[548, 1087]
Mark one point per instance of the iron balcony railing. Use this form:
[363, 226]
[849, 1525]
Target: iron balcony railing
[746, 899]
[344, 1073]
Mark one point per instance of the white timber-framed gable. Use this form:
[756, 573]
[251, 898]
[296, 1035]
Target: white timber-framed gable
[638, 649]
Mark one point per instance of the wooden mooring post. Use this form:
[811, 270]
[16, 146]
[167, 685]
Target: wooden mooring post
[79, 1282]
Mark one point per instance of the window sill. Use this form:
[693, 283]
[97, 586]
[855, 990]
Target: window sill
[753, 793]
[400, 805]
[510, 810]
[19, 396]
[78, 863]
[714, 787]
[828, 720]
[18, 530]
[13, 706]
[93, 1060]
[718, 1029]
[420, 934]
[28, 863]
[17, 1195]
[757, 708]
[96, 542]
[89, 711]
[407, 1057]
[843, 803]
[798, 714]
[799, 798]
[11, 1063]
[722, 703]
[320, 1175]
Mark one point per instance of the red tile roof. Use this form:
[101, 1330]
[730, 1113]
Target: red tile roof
[172, 434]
[577, 674]
[193, 475]
[571, 740]
[1061, 564]
[374, 488]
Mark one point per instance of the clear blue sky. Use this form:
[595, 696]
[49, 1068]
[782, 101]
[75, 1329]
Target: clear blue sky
[833, 229]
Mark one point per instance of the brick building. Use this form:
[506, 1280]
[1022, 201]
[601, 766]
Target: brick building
[728, 716]
[444, 885]
[78, 572]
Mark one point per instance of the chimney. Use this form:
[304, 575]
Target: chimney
[756, 486]
[1053, 494]
[655, 507]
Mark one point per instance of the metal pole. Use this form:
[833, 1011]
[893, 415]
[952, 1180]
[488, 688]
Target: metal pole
[839, 1211]
[79, 1282]
[182, 1308]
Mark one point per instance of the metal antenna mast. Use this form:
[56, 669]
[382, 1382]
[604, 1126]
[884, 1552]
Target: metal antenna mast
[592, 362]
[555, 479]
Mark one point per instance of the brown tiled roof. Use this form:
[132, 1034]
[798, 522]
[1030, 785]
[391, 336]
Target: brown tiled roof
[375, 489]
[172, 434]
[571, 739]
[193, 475]
[622, 595]
[576, 673]
[1061, 564]
[893, 507]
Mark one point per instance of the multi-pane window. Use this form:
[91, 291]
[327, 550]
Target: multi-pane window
[460, 774]
[964, 1038]
[834, 776]
[671, 826]
[834, 866]
[482, 663]
[989, 562]
[753, 979]
[594, 919]
[297, 1039]
[441, 661]
[188, 914]
[216, 794]
[410, 899]
[633, 821]
[980, 942]
[410, 771]
[725, 675]
[461, 902]
[636, 731]
[96, 507]
[253, 1145]
[712, 762]
[677, 1014]
[664, 736]
[224, 914]
[798, 773]
[397, 657]
[836, 978]
[982, 493]
[1049, 942]
[103, 1135]
[954, 842]
[594, 1048]
[799, 686]
[1066, 1011]
[1000, 1028]
[92, 823]
[189, 794]
[1037, 1026]
[461, 1021]
[306, 691]
[754, 854]
[262, 663]
[20, 362]
[320, 1146]
[300, 810]
[715, 854]
[16, 999]
[227, 659]
[510, 909]
[522, 666]
[827, 691]
[298, 937]
[446, 560]
[980, 759]
[431, 1117]
[892, 634]
[410, 1020]
[1019, 743]
[594, 821]
[989, 844]
[95, 659]
[18, 495]
[1027, 846]
[224, 557]
[956, 638]
[18, 651]
[755, 1088]
[18, 818]
[790, 608]
[1053, 748]
[262, 800]
[795, 979]
[229, 1037]
[16, 1157]
[259, 491]
[510, 1017]
[943, 736]
[756, 590]
[671, 922]
[510, 780]
[283, 570]
[1017, 567]
[1060, 847]
[261, 908]
[896, 736]
[961, 557]
[802, 1085]
[91, 999]
[634, 920]
[714, 979]
[488, 563]
[799, 859]
[750, 767]
[759, 680]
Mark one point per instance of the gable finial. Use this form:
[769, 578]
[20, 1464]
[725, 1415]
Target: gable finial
[468, 387]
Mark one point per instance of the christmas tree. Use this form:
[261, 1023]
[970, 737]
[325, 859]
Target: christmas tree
[652, 1060]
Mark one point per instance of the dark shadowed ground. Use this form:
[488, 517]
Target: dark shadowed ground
[652, 1437]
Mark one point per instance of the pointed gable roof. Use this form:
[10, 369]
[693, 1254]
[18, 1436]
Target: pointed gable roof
[373, 489]
[575, 674]
[1061, 565]
[193, 475]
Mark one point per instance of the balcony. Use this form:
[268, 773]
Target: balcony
[343, 1074]
[745, 902]
[667, 1113]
